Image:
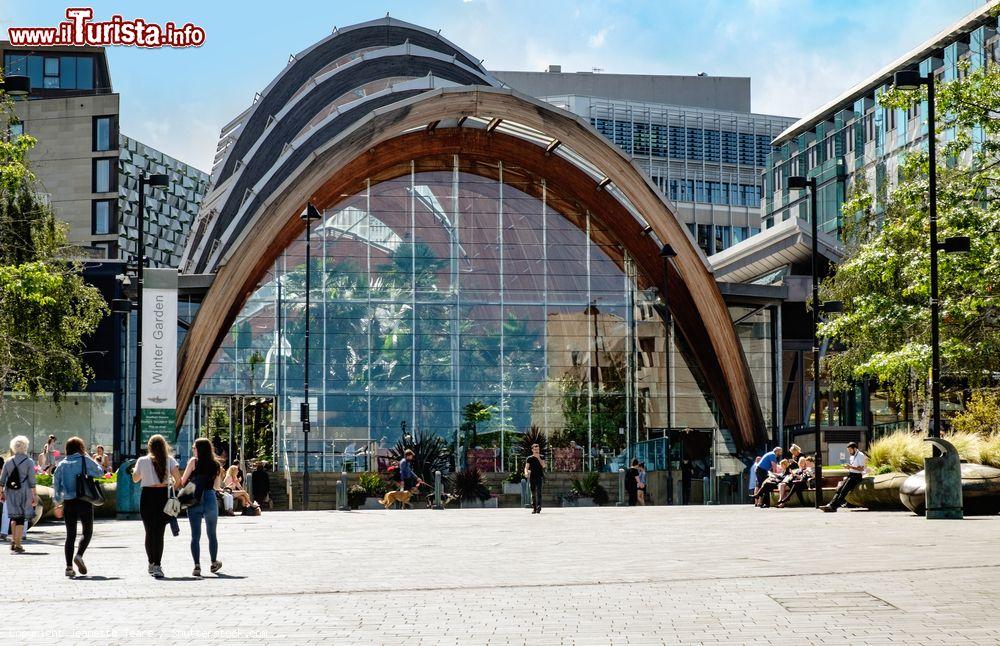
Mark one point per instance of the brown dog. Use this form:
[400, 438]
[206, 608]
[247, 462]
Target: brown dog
[392, 497]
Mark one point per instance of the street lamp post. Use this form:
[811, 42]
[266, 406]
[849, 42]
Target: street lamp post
[156, 180]
[667, 253]
[801, 183]
[311, 213]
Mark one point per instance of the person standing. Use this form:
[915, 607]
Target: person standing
[153, 471]
[855, 473]
[534, 471]
[204, 470]
[641, 483]
[71, 508]
[632, 483]
[17, 479]
[687, 473]
[260, 485]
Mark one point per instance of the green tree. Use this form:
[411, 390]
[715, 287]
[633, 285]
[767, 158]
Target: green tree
[46, 310]
[473, 414]
[884, 280]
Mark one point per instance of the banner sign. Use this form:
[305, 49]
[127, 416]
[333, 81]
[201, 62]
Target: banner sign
[159, 353]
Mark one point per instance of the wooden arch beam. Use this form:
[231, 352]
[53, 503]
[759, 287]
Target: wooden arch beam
[375, 149]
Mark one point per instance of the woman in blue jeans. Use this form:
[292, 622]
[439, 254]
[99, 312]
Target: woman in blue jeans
[205, 471]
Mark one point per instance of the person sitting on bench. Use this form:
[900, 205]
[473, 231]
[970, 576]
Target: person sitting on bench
[855, 472]
[799, 482]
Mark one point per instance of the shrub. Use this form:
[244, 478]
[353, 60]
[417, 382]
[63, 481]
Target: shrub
[356, 495]
[589, 486]
[967, 444]
[989, 450]
[469, 484]
[430, 453]
[981, 414]
[900, 451]
[514, 477]
[534, 436]
[373, 484]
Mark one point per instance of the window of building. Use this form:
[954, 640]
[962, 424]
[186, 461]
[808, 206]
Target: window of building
[729, 148]
[64, 72]
[704, 237]
[105, 175]
[812, 156]
[109, 249]
[890, 119]
[104, 217]
[723, 238]
[106, 133]
[869, 120]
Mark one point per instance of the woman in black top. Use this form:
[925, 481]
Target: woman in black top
[534, 471]
[204, 470]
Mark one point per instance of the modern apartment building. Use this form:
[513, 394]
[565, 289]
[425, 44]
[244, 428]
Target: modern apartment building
[693, 135]
[88, 170]
[852, 139]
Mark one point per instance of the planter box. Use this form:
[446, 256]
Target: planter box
[579, 502]
[492, 503]
[371, 503]
[512, 488]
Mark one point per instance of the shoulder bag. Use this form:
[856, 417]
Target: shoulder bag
[87, 488]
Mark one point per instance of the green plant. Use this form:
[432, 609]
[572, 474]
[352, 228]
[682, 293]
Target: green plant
[514, 477]
[532, 437]
[469, 484]
[373, 484]
[430, 453]
[356, 495]
[989, 450]
[900, 451]
[981, 414]
[589, 486]
[43, 479]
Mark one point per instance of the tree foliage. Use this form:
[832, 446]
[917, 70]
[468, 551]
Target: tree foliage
[884, 280]
[47, 311]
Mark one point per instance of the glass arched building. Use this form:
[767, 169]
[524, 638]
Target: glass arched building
[475, 248]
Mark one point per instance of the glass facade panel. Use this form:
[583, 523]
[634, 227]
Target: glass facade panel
[434, 290]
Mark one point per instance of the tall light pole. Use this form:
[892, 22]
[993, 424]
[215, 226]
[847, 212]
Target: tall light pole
[912, 80]
[156, 180]
[801, 183]
[311, 213]
[667, 253]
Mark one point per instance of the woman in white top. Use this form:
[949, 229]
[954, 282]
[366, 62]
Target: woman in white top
[154, 470]
[232, 485]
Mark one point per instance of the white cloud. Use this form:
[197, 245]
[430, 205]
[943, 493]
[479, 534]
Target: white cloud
[597, 40]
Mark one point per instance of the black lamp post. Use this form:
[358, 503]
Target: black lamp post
[667, 253]
[155, 180]
[311, 213]
[911, 80]
[799, 183]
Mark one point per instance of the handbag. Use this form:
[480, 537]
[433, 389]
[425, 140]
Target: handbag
[87, 489]
[173, 506]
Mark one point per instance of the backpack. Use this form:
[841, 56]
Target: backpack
[14, 480]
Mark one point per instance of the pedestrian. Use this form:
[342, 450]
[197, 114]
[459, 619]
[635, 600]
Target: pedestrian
[204, 470]
[154, 471]
[69, 507]
[632, 483]
[534, 471]
[407, 476]
[103, 459]
[752, 478]
[641, 483]
[260, 485]
[687, 472]
[19, 495]
[767, 463]
[855, 473]
[47, 456]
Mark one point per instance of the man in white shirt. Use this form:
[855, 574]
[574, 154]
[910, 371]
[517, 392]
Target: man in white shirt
[855, 472]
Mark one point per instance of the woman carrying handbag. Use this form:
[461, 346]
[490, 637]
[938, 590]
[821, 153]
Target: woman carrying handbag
[204, 470]
[74, 495]
[154, 471]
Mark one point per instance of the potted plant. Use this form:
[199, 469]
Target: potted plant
[470, 487]
[512, 483]
[374, 486]
[356, 496]
[588, 492]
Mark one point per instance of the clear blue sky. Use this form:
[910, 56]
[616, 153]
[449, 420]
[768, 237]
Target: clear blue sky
[799, 53]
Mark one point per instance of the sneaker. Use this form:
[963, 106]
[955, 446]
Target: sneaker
[70, 573]
[157, 572]
[80, 564]
[197, 571]
[216, 566]
[149, 568]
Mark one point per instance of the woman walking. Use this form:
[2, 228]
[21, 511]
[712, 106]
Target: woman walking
[153, 471]
[71, 508]
[17, 478]
[205, 471]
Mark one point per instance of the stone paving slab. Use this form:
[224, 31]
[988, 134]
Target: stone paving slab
[655, 575]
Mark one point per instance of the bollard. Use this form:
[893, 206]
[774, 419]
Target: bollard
[943, 482]
[525, 494]
[437, 490]
[342, 504]
[621, 488]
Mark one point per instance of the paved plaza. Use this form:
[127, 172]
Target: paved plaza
[682, 575]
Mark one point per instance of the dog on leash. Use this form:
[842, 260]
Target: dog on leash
[403, 497]
[446, 499]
